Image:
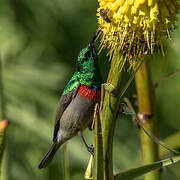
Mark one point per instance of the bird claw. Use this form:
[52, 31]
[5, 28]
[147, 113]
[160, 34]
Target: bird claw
[91, 149]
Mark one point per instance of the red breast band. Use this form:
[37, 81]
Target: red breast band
[88, 93]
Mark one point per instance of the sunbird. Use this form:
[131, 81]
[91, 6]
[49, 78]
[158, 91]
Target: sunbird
[76, 106]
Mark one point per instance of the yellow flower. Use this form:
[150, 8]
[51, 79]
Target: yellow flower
[134, 28]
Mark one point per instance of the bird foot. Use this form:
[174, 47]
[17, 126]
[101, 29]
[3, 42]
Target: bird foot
[91, 149]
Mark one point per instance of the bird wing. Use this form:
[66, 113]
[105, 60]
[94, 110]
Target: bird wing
[63, 104]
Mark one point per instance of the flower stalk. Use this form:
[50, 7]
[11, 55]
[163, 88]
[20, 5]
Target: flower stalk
[3, 124]
[2, 100]
[147, 115]
[111, 103]
[98, 173]
[66, 173]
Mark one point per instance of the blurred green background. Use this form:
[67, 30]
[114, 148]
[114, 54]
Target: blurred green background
[39, 43]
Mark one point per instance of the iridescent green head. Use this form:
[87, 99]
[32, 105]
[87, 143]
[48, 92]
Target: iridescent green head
[87, 70]
[87, 67]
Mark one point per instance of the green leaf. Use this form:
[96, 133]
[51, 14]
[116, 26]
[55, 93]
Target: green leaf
[136, 172]
[172, 141]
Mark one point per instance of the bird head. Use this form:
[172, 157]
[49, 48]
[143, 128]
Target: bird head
[87, 65]
[87, 57]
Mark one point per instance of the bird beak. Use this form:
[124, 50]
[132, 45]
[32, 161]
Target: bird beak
[91, 44]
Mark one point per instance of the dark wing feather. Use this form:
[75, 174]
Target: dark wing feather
[63, 104]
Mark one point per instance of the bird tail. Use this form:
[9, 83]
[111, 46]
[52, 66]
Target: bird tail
[49, 156]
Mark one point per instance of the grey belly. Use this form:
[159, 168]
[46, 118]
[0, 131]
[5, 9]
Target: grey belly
[77, 116]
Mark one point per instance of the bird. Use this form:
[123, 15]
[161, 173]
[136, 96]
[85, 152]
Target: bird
[76, 106]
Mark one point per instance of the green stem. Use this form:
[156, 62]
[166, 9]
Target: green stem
[109, 114]
[3, 128]
[146, 104]
[66, 174]
[4, 166]
[98, 173]
[2, 100]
